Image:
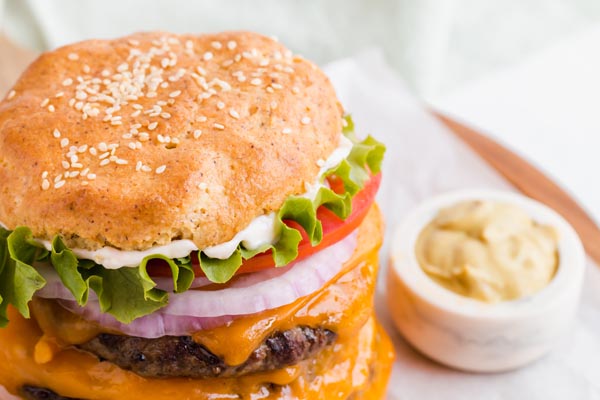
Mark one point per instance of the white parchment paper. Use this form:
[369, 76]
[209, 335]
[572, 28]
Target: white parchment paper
[424, 159]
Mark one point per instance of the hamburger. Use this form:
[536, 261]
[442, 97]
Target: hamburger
[186, 217]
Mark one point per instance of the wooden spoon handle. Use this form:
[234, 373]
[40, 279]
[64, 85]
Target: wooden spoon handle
[531, 182]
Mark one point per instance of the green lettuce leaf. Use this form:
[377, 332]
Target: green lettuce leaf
[18, 279]
[126, 293]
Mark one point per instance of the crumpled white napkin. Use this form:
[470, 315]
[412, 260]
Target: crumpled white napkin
[423, 159]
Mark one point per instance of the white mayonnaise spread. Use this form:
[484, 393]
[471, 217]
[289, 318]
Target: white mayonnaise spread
[261, 230]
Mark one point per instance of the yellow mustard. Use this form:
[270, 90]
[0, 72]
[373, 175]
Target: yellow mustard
[488, 251]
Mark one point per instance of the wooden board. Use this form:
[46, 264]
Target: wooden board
[515, 169]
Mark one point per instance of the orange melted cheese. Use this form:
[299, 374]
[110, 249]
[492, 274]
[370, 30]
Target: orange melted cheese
[39, 353]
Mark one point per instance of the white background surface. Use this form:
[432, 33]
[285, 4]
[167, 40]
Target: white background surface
[424, 159]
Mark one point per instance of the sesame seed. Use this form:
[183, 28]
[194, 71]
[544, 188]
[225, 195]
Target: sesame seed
[256, 81]
[64, 142]
[65, 164]
[222, 84]
[59, 184]
[131, 145]
[51, 108]
[197, 133]
[102, 146]
[136, 113]
[91, 176]
[105, 73]
[58, 178]
[121, 161]
[73, 174]
[277, 85]
[269, 89]
[44, 102]
[220, 105]
[207, 56]
[161, 169]
[85, 172]
[11, 94]
[67, 82]
[104, 155]
[241, 78]
[231, 45]
[219, 126]
[44, 174]
[104, 162]
[175, 93]
[295, 90]
[202, 118]
[286, 131]
[216, 45]
[146, 168]
[305, 120]
[152, 126]
[73, 56]
[77, 165]
[165, 115]
[138, 166]
[123, 67]
[59, 94]
[201, 70]
[234, 114]
[93, 151]
[56, 133]
[86, 69]
[45, 184]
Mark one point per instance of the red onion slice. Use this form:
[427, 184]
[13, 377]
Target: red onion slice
[267, 289]
[199, 309]
[150, 326]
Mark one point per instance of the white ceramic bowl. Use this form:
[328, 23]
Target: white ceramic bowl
[472, 335]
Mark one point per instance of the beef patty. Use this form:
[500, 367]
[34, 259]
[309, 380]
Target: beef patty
[180, 356]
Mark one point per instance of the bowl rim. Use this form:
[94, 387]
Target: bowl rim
[568, 277]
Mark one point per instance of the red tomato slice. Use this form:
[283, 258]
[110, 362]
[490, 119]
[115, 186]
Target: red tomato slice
[334, 230]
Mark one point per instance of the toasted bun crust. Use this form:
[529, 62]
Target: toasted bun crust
[138, 141]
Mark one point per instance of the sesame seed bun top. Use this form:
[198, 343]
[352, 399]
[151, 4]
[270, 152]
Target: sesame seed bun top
[139, 141]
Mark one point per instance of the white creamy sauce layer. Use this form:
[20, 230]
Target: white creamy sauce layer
[261, 231]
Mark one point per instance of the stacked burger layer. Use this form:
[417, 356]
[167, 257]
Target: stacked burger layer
[186, 217]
